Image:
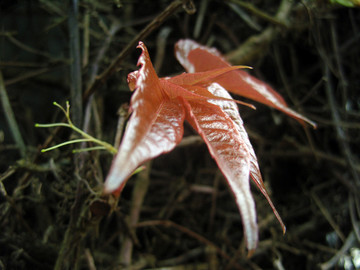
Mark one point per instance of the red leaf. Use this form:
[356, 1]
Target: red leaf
[231, 109]
[159, 107]
[197, 83]
[205, 77]
[232, 156]
[154, 128]
[197, 58]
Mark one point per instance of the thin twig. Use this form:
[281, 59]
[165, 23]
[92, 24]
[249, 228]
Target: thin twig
[327, 215]
[154, 24]
[200, 18]
[10, 117]
[86, 39]
[339, 131]
[139, 192]
[114, 28]
[27, 75]
[67, 256]
[123, 113]
[86, 137]
[214, 198]
[28, 48]
[200, 238]
[303, 150]
[341, 73]
[350, 241]
[256, 45]
[245, 16]
[161, 48]
[90, 259]
[259, 13]
[75, 67]
[354, 220]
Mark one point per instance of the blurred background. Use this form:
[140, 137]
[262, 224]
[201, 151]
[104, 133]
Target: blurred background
[178, 213]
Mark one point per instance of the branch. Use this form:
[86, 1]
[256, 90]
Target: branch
[75, 67]
[258, 44]
[9, 114]
[154, 24]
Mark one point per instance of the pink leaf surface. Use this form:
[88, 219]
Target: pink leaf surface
[227, 147]
[205, 77]
[159, 107]
[154, 128]
[197, 58]
[231, 109]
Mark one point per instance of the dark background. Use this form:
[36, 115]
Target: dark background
[52, 212]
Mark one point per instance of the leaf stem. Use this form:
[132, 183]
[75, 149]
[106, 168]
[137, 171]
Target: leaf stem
[86, 137]
[89, 149]
[65, 143]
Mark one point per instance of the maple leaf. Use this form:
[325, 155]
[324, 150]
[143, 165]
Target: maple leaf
[159, 107]
[197, 58]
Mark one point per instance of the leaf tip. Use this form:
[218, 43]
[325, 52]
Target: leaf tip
[110, 184]
[250, 253]
[247, 67]
[110, 188]
[303, 120]
[313, 124]
[115, 181]
[141, 46]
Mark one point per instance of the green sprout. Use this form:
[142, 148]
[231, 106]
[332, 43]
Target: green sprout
[101, 145]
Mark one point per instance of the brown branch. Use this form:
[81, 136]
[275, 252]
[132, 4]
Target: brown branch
[258, 44]
[10, 117]
[75, 66]
[342, 138]
[350, 241]
[139, 192]
[200, 238]
[259, 13]
[154, 24]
